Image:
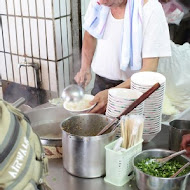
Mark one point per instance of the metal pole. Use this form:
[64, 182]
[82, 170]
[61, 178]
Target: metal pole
[76, 25]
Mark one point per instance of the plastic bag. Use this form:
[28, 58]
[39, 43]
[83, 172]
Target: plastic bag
[176, 69]
[173, 11]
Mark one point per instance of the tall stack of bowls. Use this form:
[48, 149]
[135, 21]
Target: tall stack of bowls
[119, 99]
[143, 81]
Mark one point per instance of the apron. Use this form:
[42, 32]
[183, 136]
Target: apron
[102, 83]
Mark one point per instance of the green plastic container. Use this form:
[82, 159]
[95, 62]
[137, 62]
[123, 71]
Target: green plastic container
[119, 167]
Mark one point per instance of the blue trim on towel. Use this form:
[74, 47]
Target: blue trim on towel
[93, 21]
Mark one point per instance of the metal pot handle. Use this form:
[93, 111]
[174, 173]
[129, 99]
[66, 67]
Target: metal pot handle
[19, 102]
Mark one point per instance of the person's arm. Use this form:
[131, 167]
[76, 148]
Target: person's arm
[149, 64]
[88, 49]
[185, 144]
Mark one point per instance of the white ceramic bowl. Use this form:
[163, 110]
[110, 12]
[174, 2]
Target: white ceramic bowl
[148, 78]
[77, 107]
[124, 94]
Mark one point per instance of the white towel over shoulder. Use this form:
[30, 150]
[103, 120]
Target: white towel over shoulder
[131, 52]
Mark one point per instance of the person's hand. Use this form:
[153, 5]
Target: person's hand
[185, 144]
[111, 3]
[83, 77]
[100, 100]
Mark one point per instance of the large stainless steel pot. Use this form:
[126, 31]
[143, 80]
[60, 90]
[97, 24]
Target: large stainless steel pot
[147, 182]
[46, 124]
[177, 129]
[84, 154]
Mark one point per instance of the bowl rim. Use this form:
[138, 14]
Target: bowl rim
[79, 111]
[160, 150]
[82, 138]
[178, 120]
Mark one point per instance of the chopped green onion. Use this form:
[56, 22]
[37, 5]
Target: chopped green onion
[167, 170]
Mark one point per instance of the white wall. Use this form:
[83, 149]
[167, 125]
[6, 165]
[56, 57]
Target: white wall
[84, 6]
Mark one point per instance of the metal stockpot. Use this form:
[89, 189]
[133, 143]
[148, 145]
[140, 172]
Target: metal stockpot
[45, 123]
[147, 182]
[83, 152]
[177, 129]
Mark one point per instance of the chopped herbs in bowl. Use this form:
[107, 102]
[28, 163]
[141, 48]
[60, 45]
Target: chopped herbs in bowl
[165, 171]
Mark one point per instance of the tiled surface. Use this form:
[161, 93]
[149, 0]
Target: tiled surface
[32, 7]
[27, 36]
[3, 71]
[47, 40]
[40, 8]
[49, 9]
[9, 67]
[1, 92]
[42, 38]
[16, 69]
[61, 78]
[41, 31]
[10, 7]
[5, 33]
[35, 40]
[45, 75]
[53, 76]
[20, 36]
[84, 6]
[13, 40]
[50, 40]
[3, 9]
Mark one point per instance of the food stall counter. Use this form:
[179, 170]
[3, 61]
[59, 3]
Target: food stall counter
[60, 179]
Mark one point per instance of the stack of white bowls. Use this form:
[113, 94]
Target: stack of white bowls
[143, 81]
[120, 98]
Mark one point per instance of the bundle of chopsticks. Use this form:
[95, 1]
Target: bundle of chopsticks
[131, 130]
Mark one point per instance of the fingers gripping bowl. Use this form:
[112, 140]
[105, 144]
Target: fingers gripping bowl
[82, 106]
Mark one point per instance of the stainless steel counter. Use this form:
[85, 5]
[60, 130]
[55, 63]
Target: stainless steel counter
[60, 179]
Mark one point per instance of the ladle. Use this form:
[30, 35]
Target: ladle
[162, 161]
[73, 92]
[131, 107]
[180, 170]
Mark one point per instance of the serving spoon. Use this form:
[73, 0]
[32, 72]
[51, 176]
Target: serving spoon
[180, 170]
[162, 161]
[73, 93]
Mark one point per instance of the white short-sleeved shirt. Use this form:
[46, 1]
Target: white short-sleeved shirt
[156, 42]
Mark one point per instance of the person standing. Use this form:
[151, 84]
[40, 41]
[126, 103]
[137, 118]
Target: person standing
[133, 36]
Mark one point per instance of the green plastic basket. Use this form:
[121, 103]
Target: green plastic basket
[119, 165]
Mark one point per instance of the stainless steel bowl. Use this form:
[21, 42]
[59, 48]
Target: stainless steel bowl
[147, 182]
